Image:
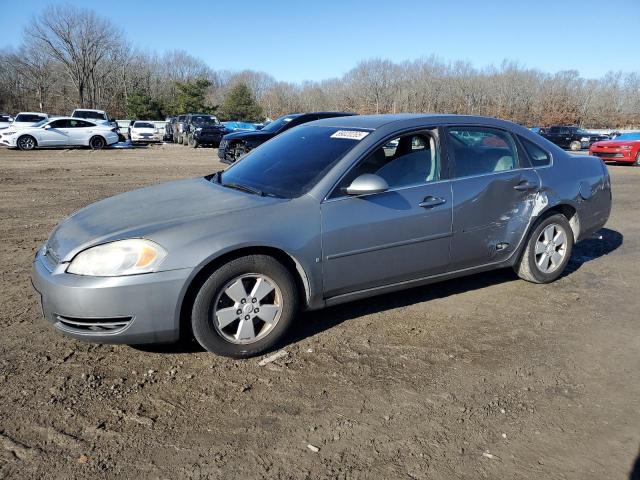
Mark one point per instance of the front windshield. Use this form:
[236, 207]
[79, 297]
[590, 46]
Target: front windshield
[276, 125]
[581, 131]
[290, 164]
[40, 123]
[143, 125]
[28, 117]
[204, 120]
[89, 114]
[628, 136]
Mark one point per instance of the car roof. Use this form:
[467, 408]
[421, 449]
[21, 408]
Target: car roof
[88, 110]
[72, 118]
[374, 122]
[32, 113]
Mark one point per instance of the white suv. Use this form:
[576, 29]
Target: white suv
[26, 119]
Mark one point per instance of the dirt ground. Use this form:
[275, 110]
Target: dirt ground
[483, 377]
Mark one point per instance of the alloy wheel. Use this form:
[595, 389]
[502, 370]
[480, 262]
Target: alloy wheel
[26, 143]
[551, 248]
[247, 308]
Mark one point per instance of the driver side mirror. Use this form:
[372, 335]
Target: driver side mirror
[47, 127]
[367, 183]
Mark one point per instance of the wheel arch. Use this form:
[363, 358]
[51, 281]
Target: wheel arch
[202, 272]
[97, 135]
[563, 208]
[26, 135]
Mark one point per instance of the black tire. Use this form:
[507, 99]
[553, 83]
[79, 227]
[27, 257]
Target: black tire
[180, 139]
[238, 151]
[637, 162]
[202, 313]
[575, 146]
[97, 142]
[194, 143]
[527, 267]
[26, 142]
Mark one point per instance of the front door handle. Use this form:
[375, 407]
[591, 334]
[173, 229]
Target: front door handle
[525, 186]
[430, 202]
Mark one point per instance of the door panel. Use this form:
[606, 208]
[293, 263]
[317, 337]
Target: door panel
[385, 238]
[490, 216]
[52, 137]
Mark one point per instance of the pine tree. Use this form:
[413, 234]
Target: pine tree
[240, 105]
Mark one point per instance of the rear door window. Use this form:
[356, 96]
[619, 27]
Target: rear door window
[537, 156]
[481, 150]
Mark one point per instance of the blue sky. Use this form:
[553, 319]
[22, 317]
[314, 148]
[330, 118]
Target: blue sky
[313, 40]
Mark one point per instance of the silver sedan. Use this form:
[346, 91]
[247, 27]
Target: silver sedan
[328, 212]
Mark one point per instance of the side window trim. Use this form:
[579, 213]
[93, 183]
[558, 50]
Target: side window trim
[452, 159]
[443, 159]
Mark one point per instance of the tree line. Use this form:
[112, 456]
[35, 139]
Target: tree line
[71, 58]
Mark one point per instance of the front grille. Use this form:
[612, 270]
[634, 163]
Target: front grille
[93, 325]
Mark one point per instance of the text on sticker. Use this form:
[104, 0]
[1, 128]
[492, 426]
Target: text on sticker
[350, 134]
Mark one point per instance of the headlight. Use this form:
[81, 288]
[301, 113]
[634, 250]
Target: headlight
[123, 257]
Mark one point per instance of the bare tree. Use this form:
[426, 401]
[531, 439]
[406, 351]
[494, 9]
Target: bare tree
[80, 40]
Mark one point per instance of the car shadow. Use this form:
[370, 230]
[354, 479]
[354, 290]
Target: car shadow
[635, 469]
[312, 323]
[598, 245]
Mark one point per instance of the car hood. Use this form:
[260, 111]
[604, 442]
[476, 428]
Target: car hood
[143, 212]
[616, 143]
[249, 135]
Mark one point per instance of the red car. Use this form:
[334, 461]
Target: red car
[624, 148]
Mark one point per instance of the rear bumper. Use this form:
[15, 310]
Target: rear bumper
[133, 309]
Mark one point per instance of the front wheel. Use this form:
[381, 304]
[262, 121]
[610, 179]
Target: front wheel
[548, 250]
[97, 143]
[637, 162]
[194, 143]
[575, 146]
[26, 142]
[245, 307]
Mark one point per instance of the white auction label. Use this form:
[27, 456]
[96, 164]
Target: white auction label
[350, 134]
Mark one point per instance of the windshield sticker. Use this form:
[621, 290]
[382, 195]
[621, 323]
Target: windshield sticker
[350, 134]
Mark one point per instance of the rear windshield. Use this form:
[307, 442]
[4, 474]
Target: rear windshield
[89, 114]
[28, 117]
[276, 125]
[293, 162]
[143, 125]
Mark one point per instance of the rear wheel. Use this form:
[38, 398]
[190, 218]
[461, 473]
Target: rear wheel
[193, 143]
[575, 146]
[245, 307]
[180, 139]
[97, 143]
[548, 250]
[26, 142]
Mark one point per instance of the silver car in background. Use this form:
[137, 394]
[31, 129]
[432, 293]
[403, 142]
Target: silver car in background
[330, 211]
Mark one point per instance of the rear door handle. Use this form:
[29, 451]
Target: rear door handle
[430, 202]
[525, 186]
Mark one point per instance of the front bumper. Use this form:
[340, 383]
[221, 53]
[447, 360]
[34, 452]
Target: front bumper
[147, 139]
[208, 137]
[133, 309]
[613, 154]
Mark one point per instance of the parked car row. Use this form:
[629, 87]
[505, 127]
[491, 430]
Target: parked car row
[60, 132]
[85, 127]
